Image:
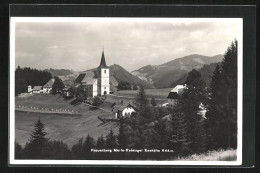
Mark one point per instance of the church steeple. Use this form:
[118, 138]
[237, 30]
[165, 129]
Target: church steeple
[103, 61]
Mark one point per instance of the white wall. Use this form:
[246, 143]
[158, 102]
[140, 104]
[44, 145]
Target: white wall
[127, 111]
[105, 81]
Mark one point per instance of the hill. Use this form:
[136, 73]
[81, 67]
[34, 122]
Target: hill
[164, 75]
[118, 74]
[206, 73]
[66, 75]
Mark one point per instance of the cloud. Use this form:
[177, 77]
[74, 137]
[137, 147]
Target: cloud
[78, 46]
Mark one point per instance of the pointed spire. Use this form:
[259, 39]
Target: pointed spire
[103, 60]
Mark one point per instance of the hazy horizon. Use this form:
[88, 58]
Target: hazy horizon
[132, 45]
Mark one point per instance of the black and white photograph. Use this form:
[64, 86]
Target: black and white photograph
[126, 91]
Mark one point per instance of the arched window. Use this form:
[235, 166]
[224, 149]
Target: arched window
[104, 71]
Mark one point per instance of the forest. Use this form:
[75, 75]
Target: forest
[28, 76]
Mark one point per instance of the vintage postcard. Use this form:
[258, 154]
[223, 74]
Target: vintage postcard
[126, 91]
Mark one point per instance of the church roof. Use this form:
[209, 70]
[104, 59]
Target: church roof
[173, 95]
[103, 61]
[89, 81]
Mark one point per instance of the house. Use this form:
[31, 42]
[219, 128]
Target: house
[95, 82]
[37, 89]
[42, 89]
[122, 110]
[174, 95]
[48, 86]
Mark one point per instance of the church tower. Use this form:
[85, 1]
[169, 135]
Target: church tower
[103, 77]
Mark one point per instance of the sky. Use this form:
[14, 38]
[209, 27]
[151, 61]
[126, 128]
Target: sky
[132, 45]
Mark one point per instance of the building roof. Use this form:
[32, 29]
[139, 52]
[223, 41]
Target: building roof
[49, 83]
[89, 81]
[103, 61]
[37, 88]
[86, 76]
[121, 107]
[173, 95]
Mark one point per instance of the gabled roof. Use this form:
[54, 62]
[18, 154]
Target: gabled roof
[173, 95]
[89, 81]
[80, 78]
[37, 88]
[103, 61]
[121, 107]
[49, 83]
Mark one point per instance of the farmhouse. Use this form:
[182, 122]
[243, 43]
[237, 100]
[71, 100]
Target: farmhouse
[42, 89]
[174, 95]
[96, 82]
[123, 110]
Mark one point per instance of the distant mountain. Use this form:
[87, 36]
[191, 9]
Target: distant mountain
[164, 75]
[206, 74]
[118, 74]
[66, 75]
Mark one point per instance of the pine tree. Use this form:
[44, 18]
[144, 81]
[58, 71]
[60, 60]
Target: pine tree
[179, 139]
[100, 142]
[121, 138]
[58, 85]
[153, 102]
[18, 151]
[38, 143]
[77, 150]
[222, 105]
[111, 141]
[160, 136]
[192, 97]
[87, 146]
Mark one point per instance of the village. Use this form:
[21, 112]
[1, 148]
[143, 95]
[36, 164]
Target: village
[96, 84]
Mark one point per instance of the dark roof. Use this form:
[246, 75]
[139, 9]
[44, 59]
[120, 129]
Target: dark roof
[80, 78]
[173, 95]
[103, 61]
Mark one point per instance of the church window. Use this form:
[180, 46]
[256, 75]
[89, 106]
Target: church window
[104, 71]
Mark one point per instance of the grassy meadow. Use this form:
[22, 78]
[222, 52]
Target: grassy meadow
[68, 128]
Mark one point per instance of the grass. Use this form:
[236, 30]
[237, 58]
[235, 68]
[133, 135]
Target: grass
[156, 93]
[220, 155]
[67, 128]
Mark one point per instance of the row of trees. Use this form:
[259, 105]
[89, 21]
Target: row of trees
[124, 85]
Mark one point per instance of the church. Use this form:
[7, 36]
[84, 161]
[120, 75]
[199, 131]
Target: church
[95, 82]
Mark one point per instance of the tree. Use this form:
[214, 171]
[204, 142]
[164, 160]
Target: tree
[222, 104]
[97, 102]
[59, 150]
[160, 137]
[135, 87]
[80, 93]
[77, 150]
[58, 85]
[18, 151]
[124, 85]
[121, 138]
[87, 146]
[179, 139]
[191, 99]
[111, 141]
[38, 143]
[100, 142]
[153, 102]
